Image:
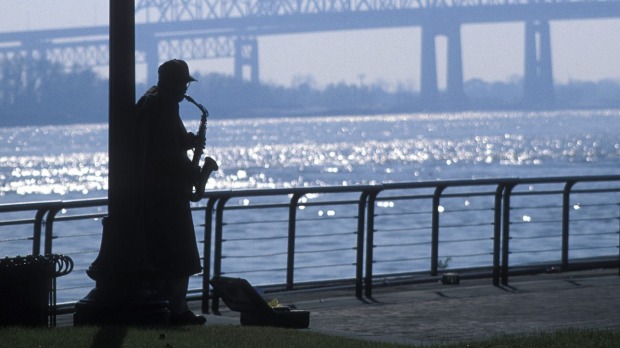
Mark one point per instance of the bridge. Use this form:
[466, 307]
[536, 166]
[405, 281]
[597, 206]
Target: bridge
[209, 29]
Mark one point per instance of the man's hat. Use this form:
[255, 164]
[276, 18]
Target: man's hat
[175, 69]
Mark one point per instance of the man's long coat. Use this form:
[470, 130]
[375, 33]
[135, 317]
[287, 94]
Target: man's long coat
[166, 175]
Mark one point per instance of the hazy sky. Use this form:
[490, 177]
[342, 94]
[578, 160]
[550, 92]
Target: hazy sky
[581, 50]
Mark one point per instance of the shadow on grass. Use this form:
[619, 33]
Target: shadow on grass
[109, 337]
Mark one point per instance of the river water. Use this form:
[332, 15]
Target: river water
[71, 162]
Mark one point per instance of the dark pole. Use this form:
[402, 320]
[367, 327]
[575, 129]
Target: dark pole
[122, 98]
[120, 254]
[122, 294]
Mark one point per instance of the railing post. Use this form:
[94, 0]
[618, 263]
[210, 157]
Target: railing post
[206, 271]
[497, 233]
[217, 250]
[435, 231]
[506, 232]
[36, 234]
[49, 229]
[290, 257]
[359, 260]
[370, 232]
[566, 222]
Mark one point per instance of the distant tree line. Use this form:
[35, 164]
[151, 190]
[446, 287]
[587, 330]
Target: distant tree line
[573, 95]
[36, 92]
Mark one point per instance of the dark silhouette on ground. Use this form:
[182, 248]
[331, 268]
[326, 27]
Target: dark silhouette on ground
[36, 92]
[109, 337]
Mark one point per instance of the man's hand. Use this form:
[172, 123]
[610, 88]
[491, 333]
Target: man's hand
[194, 142]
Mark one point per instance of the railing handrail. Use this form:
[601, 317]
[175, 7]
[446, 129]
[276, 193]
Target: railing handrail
[503, 189]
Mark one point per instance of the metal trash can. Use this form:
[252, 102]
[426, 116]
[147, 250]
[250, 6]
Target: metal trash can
[28, 289]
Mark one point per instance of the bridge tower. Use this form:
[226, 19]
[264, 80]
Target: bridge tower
[538, 79]
[429, 93]
[246, 56]
[150, 50]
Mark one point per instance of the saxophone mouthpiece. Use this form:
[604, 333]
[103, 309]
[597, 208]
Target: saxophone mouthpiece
[198, 105]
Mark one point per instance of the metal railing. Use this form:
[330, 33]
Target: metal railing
[359, 236]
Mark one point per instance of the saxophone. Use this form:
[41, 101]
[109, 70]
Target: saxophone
[209, 165]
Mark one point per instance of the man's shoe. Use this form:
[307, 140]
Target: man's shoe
[188, 318]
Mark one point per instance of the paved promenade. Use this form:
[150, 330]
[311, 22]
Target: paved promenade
[475, 309]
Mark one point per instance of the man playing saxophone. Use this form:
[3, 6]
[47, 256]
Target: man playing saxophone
[168, 177]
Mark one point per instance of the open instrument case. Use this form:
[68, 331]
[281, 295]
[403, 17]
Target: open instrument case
[240, 296]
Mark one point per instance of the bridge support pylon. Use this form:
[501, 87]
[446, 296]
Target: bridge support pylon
[429, 92]
[151, 57]
[538, 78]
[246, 56]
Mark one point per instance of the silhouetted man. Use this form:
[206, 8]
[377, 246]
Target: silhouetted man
[168, 176]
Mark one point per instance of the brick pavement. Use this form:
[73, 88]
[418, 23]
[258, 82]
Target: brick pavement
[475, 309]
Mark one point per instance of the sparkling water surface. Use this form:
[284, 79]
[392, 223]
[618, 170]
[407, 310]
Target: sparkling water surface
[61, 161]
[71, 162]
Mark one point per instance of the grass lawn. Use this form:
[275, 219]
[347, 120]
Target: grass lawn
[214, 336]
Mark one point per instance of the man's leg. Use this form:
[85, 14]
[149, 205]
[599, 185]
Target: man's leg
[176, 292]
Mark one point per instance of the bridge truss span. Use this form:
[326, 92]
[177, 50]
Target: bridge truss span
[165, 11]
[196, 48]
[211, 29]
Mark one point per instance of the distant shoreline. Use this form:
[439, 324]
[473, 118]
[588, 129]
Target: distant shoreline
[316, 113]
